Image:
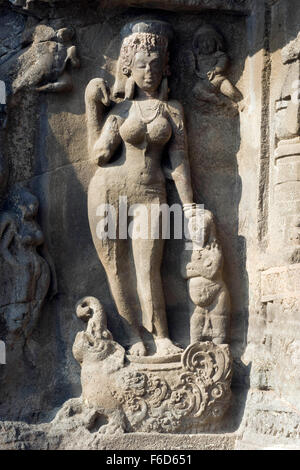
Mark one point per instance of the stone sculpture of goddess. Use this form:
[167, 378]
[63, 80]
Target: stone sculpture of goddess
[128, 146]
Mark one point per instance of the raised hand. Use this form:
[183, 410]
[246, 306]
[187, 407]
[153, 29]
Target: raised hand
[97, 91]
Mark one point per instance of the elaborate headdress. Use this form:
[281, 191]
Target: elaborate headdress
[148, 36]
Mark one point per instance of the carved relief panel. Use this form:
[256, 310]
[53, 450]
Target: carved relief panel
[164, 362]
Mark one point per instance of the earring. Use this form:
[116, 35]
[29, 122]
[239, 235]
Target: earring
[164, 90]
[129, 88]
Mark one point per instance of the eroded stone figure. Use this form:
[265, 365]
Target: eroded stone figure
[129, 148]
[46, 65]
[209, 62]
[202, 266]
[25, 274]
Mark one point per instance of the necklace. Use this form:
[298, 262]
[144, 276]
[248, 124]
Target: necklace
[155, 108]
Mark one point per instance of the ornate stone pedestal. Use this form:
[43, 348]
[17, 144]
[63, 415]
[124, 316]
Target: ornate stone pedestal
[167, 394]
[176, 393]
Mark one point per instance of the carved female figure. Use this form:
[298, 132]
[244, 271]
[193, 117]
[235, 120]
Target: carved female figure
[142, 126]
[25, 274]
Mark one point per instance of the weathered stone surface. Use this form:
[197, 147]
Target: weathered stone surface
[231, 144]
[162, 394]
[21, 436]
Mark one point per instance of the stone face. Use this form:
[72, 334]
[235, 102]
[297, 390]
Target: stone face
[183, 339]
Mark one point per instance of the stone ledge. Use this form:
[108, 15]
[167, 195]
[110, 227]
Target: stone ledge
[22, 436]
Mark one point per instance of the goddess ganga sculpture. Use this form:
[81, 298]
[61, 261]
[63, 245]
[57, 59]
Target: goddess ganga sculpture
[171, 390]
[143, 125]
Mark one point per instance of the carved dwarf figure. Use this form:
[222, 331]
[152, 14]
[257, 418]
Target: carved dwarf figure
[47, 63]
[209, 64]
[202, 267]
[25, 275]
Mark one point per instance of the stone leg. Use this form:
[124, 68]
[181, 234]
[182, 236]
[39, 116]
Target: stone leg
[227, 89]
[114, 255]
[63, 83]
[34, 74]
[147, 256]
[197, 324]
[219, 317]
[203, 91]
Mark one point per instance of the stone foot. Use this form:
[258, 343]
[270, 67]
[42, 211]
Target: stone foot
[138, 349]
[165, 347]
[219, 340]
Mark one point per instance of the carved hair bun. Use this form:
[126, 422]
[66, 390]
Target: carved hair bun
[160, 28]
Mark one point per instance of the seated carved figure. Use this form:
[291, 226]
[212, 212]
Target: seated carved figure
[202, 267]
[209, 63]
[46, 64]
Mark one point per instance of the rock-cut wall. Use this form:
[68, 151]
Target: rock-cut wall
[187, 103]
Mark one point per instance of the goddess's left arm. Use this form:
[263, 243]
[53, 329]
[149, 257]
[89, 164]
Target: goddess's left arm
[222, 62]
[178, 154]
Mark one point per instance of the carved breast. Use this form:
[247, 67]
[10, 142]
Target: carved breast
[137, 132]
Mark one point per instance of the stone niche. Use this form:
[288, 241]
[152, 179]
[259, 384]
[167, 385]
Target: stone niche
[118, 333]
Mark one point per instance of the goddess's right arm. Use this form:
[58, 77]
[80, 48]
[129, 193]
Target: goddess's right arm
[102, 141]
[108, 140]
